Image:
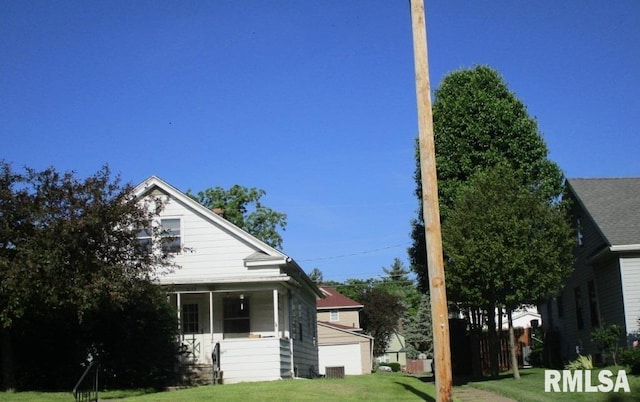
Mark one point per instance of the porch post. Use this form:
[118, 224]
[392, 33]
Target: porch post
[275, 312]
[211, 315]
[287, 321]
[179, 306]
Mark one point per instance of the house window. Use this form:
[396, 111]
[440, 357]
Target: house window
[170, 235]
[578, 300]
[190, 318]
[144, 241]
[236, 315]
[169, 229]
[334, 315]
[593, 305]
[579, 232]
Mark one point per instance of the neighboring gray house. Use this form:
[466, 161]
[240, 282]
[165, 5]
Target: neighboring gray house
[605, 285]
[234, 292]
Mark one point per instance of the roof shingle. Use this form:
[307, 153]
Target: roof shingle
[334, 299]
[614, 205]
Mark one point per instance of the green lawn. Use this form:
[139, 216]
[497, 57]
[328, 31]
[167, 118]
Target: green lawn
[375, 387]
[530, 388]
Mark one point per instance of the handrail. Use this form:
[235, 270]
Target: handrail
[92, 393]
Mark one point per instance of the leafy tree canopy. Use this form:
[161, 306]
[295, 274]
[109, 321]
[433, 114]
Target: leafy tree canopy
[242, 207]
[503, 246]
[479, 123]
[70, 259]
[69, 243]
[380, 316]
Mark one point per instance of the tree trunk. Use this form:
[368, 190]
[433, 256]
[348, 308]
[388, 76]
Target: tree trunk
[512, 347]
[6, 350]
[493, 344]
[476, 335]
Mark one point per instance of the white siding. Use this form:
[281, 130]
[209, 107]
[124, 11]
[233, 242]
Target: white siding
[630, 273]
[211, 253]
[244, 360]
[348, 356]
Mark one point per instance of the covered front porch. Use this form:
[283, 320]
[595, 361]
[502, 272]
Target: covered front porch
[250, 325]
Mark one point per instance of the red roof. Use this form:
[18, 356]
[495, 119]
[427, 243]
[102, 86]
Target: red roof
[334, 300]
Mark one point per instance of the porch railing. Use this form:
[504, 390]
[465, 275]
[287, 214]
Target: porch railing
[86, 389]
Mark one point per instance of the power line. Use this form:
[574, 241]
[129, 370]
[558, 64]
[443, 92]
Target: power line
[354, 254]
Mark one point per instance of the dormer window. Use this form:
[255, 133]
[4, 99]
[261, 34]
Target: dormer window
[334, 316]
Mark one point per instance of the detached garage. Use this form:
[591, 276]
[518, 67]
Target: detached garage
[340, 346]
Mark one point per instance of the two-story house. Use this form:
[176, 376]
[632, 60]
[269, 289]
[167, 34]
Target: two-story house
[604, 287]
[235, 295]
[341, 342]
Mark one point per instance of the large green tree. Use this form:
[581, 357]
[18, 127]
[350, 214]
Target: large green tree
[68, 249]
[505, 245]
[478, 123]
[380, 316]
[242, 207]
[382, 311]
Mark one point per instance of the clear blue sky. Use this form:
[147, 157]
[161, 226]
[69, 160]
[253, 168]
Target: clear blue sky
[312, 101]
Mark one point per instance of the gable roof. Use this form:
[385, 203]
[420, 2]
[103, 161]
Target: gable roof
[263, 254]
[614, 205]
[335, 300]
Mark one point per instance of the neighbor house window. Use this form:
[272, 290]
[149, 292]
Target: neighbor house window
[579, 232]
[190, 318]
[334, 316]
[170, 234]
[578, 300]
[236, 315]
[593, 305]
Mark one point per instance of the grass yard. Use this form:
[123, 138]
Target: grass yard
[530, 388]
[374, 387]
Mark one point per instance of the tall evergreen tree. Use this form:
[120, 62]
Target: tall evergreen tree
[418, 331]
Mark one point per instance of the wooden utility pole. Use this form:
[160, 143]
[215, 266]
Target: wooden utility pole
[431, 210]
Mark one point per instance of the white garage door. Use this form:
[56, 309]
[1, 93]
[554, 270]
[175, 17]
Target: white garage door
[340, 355]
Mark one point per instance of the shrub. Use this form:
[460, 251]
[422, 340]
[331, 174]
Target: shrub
[608, 340]
[581, 363]
[631, 358]
[394, 366]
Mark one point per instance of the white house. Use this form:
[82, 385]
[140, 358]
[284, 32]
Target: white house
[235, 293]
